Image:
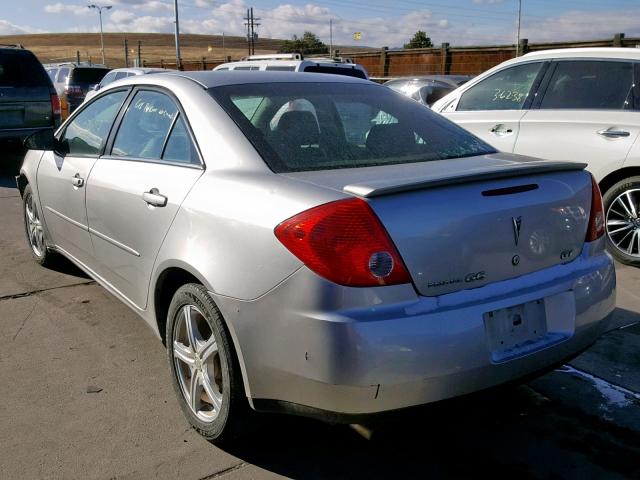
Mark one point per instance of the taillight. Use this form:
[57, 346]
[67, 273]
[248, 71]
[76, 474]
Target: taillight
[344, 242]
[55, 104]
[596, 218]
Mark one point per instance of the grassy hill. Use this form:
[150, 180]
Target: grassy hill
[59, 47]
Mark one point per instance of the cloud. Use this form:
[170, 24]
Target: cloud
[582, 25]
[284, 20]
[7, 28]
[80, 10]
[205, 3]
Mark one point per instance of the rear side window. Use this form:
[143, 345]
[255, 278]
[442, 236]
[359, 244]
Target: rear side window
[108, 78]
[179, 147]
[87, 75]
[121, 75]
[507, 89]
[590, 85]
[281, 68]
[19, 68]
[322, 126]
[349, 72]
[89, 129]
[63, 74]
[145, 126]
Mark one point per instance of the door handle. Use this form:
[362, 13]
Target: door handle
[153, 197]
[613, 133]
[77, 180]
[501, 130]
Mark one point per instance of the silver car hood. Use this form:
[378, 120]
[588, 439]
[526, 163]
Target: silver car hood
[383, 180]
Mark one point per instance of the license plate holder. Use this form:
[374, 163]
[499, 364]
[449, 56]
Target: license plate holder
[513, 330]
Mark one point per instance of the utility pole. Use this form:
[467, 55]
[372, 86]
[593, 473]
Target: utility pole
[224, 52]
[139, 54]
[178, 62]
[247, 23]
[331, 37]
[519, 19]
[251, 34]
[126, 53]
[99, 8]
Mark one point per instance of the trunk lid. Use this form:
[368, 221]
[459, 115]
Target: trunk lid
[468, 222]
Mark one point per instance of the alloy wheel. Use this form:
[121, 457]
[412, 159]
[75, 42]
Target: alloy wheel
[197, 363]
[623, 222]
[35, 232]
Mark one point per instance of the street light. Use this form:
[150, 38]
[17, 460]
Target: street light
[99, 8]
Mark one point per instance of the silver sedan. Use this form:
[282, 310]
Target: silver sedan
[316, 244]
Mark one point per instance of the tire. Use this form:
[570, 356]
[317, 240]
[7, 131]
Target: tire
[33, 229]
[220, 412]
[622, 220]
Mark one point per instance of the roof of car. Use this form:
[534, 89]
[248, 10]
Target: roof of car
[211, 79]
[589, 52]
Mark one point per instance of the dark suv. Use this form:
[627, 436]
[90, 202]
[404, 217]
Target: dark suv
[28, 101]
[73, 81]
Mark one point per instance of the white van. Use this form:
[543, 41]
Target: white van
[294, 62]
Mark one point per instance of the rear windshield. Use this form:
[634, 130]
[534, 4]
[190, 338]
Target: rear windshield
[19, 68]
[320, 126]
[87, 75]
[349, 72]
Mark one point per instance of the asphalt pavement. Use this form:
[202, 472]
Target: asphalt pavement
[86, 393]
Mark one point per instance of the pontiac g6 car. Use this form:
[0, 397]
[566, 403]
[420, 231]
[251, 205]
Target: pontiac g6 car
[318, 244]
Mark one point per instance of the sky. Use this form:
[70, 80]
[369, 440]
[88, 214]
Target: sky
[380, 22]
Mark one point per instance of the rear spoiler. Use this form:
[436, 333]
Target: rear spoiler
[379, 188]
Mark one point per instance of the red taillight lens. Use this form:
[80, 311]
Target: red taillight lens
[344, 242]
[55, 104]
[596, 218]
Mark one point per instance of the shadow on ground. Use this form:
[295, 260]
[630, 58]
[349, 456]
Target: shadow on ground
[61, 264]
[507, 432]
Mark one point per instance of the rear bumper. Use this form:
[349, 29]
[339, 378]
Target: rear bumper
[360, 351]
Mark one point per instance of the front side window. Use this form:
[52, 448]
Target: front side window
[322, 126]
[590, 85]
[507, 89]
[145, 126]
[89, 129]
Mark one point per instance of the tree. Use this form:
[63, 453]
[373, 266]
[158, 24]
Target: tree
[419, 40]
[308, 43]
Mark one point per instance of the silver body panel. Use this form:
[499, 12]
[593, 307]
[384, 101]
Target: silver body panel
[299, 337]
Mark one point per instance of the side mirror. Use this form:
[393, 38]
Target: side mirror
[41, 140]
[95, 87]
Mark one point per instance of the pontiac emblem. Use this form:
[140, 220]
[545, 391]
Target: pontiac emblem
[517, 223]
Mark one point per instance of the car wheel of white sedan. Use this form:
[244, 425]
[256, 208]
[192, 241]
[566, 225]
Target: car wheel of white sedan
[205, 371]
[622, 210]
[34, 229]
